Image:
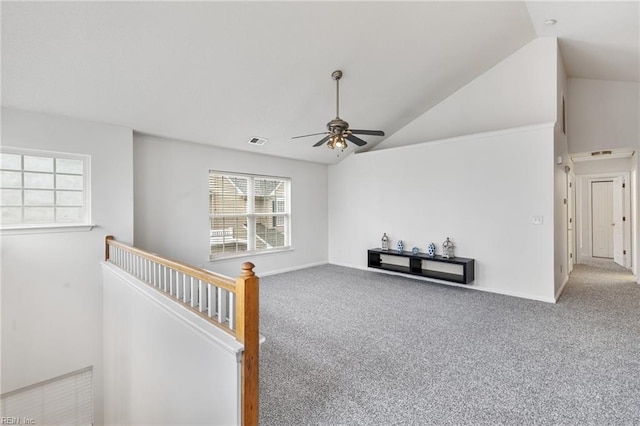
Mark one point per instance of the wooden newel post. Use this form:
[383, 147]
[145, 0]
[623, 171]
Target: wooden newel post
[248, 333]
[106, 246]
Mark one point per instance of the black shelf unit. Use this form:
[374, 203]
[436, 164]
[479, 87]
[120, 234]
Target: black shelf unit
[417, 267]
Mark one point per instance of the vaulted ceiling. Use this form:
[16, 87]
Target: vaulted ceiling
[220, 73]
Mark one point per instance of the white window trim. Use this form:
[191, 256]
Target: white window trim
[45, 229]
[37, 228]
[251, 251]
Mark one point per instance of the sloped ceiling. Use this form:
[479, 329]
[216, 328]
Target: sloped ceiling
[598, 40]
[219, 73]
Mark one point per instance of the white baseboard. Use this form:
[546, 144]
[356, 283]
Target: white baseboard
[291, 269]
[467, 286]
[561, 289]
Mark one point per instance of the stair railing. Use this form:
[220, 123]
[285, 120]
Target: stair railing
[232, 305]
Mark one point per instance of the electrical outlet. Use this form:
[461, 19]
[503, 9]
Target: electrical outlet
[537, 220]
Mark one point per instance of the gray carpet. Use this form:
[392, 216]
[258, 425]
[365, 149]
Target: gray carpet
[352, 347]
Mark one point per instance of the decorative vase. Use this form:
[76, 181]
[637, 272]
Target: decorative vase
[385, 242]
[400, 246]
[447, 249]
[415, 250]
[431, 250]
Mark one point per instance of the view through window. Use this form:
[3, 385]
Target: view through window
[248, 213]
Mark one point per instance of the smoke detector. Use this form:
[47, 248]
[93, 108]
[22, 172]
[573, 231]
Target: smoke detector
[257, 141]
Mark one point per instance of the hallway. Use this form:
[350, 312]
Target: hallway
[603, 281]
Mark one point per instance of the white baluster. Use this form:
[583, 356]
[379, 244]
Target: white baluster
[222, 305]
[164, 278]
[193, 292]
[176, 285]
[184, 288]
[232, 311]
[211, 305]
[202, 296]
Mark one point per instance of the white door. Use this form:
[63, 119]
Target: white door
[602, 219]
[618, 225]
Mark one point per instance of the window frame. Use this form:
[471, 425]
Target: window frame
[22, 227]
[251, 215]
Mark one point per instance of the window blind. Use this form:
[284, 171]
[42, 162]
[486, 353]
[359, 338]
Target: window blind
[64, 400]
[248, 213]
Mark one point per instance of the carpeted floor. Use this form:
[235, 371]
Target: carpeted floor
[352, 347]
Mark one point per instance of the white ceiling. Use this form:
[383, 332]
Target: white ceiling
[221, 72]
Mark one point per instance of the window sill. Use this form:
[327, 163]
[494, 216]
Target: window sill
[44, 229]
[250, 254]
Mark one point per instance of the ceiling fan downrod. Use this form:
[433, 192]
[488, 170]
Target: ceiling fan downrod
[337, 75]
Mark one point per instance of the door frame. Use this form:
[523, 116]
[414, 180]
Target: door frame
[572, 256]
[582, 229]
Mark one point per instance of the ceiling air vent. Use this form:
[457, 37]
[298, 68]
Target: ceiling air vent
[257, 141]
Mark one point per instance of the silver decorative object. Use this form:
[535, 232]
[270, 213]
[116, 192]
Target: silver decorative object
[447, 249]
[385, 242]
[415, 250]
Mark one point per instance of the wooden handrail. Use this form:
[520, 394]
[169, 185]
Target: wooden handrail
[199, 273]
[247, 314]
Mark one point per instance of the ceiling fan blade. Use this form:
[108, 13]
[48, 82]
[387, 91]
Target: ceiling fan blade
[312, 134]
[367, 132]
[356, 140]
[323, 140]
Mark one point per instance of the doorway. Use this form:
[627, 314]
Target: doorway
[602, 219]
[602, 209]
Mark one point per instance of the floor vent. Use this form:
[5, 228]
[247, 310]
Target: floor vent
[257, 141]
[63, 400]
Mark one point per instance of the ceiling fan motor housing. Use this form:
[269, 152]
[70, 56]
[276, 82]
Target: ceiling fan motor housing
[337, 125]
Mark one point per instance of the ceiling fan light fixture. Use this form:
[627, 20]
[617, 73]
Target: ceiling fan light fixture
[340, 142]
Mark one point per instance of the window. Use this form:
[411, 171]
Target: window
[248, 213]
[63, 400]
[43, 189]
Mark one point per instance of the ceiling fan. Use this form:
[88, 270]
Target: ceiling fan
[338, 131]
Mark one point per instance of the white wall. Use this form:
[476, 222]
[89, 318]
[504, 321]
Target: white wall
[162, 363]
[480, 190]
[603, 115]
[172, 211]
[51, 282]
[520, 90]
[602, 166]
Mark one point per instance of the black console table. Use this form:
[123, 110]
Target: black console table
[457, 269]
